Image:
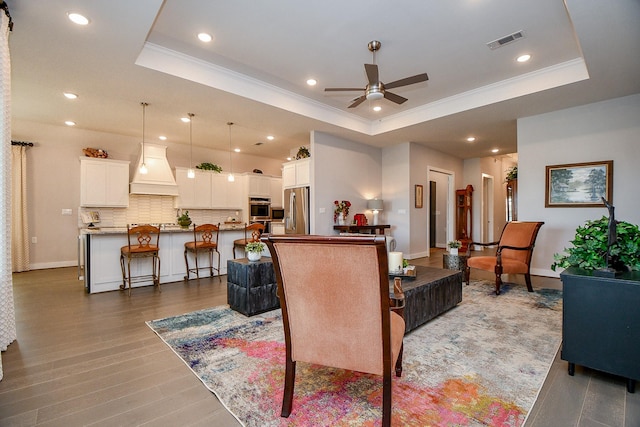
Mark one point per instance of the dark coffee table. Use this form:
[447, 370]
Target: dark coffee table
[430, 294]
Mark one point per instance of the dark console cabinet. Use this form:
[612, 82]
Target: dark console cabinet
[601, 323]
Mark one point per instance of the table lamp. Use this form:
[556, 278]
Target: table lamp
[376, 206]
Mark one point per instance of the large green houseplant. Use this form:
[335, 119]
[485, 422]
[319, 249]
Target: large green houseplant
[590, 244]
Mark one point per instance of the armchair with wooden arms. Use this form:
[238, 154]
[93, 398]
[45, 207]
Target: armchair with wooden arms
[513, 255]
[336, 309]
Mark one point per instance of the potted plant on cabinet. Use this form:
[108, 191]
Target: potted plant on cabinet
[453, 246]
[254, 250]
[601, 320]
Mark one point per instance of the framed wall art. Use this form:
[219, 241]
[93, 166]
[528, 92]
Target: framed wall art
[419, 196]
[579, 185]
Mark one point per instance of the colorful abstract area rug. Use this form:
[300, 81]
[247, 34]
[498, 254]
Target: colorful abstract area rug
[480, 364]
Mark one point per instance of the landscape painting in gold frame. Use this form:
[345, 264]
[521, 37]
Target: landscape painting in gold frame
[579, 185]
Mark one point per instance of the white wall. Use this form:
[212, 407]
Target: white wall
[606, 130]
[343, 170]
[420, 159]
[54, 180]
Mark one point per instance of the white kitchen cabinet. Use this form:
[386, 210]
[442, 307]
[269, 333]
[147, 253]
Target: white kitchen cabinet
[296, 173]
[259, 186]
[193, 193]
[237, 196]
[208, 190]
[275, 192]
[104, 183]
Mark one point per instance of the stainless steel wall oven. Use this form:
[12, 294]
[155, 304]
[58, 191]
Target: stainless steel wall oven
[259, 208]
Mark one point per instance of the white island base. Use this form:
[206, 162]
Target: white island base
[102, 257]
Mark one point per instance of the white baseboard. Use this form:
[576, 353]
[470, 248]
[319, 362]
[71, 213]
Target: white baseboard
[57, 264]
[545, 272]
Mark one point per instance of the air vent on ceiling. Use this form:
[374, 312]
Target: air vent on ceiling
[505, 40]
[259, 143]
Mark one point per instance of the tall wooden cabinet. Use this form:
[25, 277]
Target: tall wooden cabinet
[464, 219]
[512, 200]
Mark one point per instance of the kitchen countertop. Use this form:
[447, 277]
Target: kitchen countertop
[163, 229]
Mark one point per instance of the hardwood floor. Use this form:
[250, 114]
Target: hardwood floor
[91, 360]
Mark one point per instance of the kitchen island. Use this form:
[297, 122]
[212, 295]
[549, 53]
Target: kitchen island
[101, 256]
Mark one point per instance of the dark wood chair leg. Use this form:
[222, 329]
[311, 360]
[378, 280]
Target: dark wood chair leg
[527, 279]
[289, 382]
[386, 400]
[468, 274]
[399, 362]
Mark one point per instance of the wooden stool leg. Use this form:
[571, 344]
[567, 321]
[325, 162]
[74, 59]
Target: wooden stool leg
[186, 262]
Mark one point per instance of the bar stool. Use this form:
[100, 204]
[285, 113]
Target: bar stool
[207, 242]
[252, 233]
[147, 238]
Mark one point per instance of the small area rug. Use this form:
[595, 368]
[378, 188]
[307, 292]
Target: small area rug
[481, 363]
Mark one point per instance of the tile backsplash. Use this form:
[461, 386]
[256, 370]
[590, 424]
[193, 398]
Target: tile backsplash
[148, 209]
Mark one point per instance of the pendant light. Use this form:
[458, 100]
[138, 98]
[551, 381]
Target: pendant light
[230, 178]
[143, 166]
[191, 173]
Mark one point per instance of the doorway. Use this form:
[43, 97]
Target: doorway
[486, 218]
[441, 210]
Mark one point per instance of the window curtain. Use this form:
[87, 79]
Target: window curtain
[19, 225]
[7, 308]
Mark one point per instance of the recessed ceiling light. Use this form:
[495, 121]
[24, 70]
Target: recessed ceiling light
[237, 150]
[495, 150]
[523, 58]
[288, 159]
[312, 82]
[70, 95]
[471, 139]
[204, 37]
[70, 123]
[77, 18]
[185, 119]
[162, 138]
[377, 108]
[270, 137]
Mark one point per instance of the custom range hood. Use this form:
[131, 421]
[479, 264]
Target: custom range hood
[159, 179]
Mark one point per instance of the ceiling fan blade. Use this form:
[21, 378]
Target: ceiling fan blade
[372, 73]
[407, 81]
[358, 101]
[395, 98]
[341, 89]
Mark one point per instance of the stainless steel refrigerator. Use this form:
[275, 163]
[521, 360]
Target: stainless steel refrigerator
[296, 210]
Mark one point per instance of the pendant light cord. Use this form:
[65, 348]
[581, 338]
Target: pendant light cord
[191, 115]
[144, 108]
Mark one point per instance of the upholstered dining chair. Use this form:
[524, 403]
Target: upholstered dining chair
[340, 316]
[513, 255]
[252, 233]
[146, 240]
[205, 240]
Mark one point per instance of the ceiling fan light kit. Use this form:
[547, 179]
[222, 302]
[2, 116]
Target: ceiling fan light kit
[375, 89]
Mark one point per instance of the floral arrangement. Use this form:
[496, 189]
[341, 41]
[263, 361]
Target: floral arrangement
[455, 244]
[254, 247]
[342, 208]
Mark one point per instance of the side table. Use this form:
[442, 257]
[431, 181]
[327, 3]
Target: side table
[456, 262]
[252, 286]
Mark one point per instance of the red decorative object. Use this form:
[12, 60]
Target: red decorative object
[360, 219]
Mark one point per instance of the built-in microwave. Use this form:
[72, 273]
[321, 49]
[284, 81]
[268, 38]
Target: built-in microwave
[277, 214]
[259, 208]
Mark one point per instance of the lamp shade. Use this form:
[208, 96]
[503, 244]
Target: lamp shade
[374, 204]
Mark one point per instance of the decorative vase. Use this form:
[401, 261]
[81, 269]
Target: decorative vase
[254, 256]
[342, 219]
[184, 224]
[453, 251]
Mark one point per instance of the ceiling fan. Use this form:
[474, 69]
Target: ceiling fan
[376, 89]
